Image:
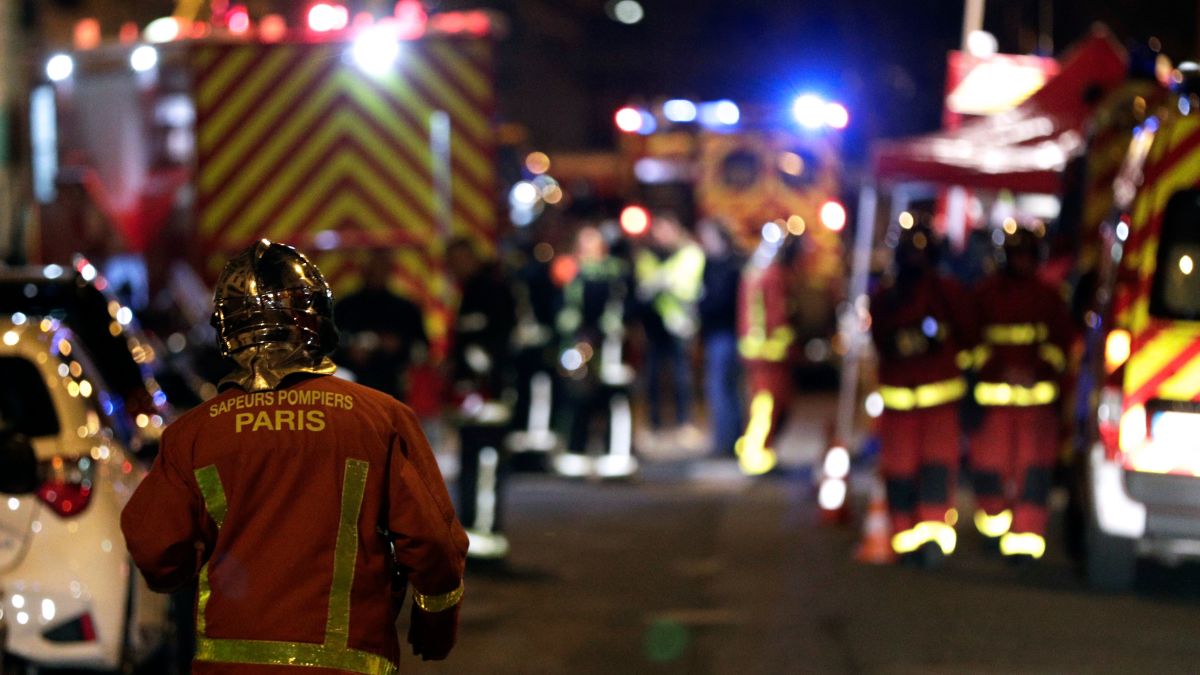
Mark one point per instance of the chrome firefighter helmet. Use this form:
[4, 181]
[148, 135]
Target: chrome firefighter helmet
[271, 293]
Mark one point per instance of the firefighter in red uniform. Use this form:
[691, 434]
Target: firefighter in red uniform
[920, 324]
[302, 502]
[1025, 330]
[765, 337]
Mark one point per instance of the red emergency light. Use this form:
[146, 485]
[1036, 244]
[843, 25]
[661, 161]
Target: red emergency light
[238, 19]
[628, 119]
[410, 19]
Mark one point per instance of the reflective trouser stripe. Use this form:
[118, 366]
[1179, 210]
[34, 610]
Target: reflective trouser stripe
[754, 457]
[1023, 543]
[993, 526]
[923, 396]
[1002, 393]
[333, 653]
[271, 653]
[924, 532]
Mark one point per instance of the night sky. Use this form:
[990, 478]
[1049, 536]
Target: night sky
[565, 66]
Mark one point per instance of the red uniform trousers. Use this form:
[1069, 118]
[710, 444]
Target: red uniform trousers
[773, 378]
[1012, 457]
[919, 458]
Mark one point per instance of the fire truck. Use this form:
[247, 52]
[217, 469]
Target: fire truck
[162, 154]
[750, 166]
[1142, 475]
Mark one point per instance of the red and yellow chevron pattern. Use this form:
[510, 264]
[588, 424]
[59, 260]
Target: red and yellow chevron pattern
[1113, 125]
[297, 144]
[1165, 357]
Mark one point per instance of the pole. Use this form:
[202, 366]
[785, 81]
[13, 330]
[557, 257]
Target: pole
[852, 320]
[972, 19]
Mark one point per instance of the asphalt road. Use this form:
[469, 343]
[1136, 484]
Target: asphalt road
[692, 569]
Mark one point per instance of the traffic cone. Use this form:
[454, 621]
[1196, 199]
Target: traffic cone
[876, 545]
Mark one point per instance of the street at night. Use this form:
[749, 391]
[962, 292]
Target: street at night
[695, 570]
[369, 337]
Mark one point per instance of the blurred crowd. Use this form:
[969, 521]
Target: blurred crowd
[560, 341]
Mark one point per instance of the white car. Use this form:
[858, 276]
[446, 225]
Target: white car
[69, 596]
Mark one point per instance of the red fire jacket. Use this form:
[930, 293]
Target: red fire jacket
[274, 499]
[922, 332]
[764, 327]
[1025, 333]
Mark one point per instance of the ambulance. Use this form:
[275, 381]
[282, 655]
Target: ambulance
[1142, 491]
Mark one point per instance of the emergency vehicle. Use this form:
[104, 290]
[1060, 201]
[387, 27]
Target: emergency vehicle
[176, 147]
[748, 166]
[1143, 474]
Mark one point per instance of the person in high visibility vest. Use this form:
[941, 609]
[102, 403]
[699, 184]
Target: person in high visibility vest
[921, 325]
[668, 275]
[303, 503]
[765, 337]
[1025, 333]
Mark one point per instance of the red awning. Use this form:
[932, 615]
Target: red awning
[1024, 149]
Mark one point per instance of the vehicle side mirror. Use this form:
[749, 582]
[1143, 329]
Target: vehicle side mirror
[18, 464]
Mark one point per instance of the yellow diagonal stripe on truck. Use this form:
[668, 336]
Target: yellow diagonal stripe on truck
[319, 149]
[464, 73]
[325, 215]
[232, 65]
[308, 202]
[1184, 385]
[464, 149]
[1150, 359]
[284, 141]
[229, 155]
[247, 94]
[447, 99]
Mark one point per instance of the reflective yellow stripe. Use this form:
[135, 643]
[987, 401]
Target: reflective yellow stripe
[964, 359]
[923, 396]
[270, 653]
[1001, 393]
[214, 493]
[1015, 333]
[345, 552]
[993, 526]
[438, 603]
[1023, 543]
[333, 653]
[214, 502]
[982, 354]
[754, 457]
[924, 532]
[1053, 355]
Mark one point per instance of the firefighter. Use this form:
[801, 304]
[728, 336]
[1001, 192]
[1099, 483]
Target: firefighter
[296, 497]
[591, 329]
[482, 379]
[765, 337]
[1025, 330]
[921, 327]
[383, 333]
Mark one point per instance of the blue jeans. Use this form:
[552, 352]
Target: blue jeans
[721, 390]
[668, 354]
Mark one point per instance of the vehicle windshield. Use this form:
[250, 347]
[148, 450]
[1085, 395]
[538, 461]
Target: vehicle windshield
[1175, 293]
[25, 404]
